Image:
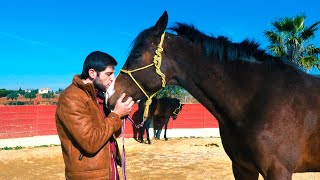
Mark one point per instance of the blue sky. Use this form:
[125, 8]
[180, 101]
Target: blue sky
[44, 43]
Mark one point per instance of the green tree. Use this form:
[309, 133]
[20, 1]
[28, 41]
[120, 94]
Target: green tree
[48, 96]
[59, 91]
[177, 92]
[292, 40]
[171, 91]
[30, 95]
[21, 92]
[4, 92]
[13, 95]
[35, 91]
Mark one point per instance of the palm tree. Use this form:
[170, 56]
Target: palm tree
[290, 39]
[311, 58]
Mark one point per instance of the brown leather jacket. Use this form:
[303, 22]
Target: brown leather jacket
[84, 133]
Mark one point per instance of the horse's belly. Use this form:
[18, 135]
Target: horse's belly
[308, 168]
[308, 164]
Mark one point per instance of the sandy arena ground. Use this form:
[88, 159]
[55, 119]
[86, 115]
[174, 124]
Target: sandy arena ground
[179, 158]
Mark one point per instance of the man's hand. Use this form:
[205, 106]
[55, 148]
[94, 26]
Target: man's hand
[123, 108]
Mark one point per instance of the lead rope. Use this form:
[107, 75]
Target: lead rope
[124, 171]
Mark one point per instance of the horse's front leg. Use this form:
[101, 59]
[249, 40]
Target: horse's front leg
[278, 171]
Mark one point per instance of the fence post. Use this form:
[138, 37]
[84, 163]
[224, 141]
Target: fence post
[35, 102]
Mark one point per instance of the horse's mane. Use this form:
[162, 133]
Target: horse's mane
[220, 46]
[223, 48]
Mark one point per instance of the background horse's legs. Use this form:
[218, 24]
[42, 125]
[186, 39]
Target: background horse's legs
[147, 126]
[136, 133]
[157, 127]
[166, 127]
[241, 173]
[158, 132]
[154, 132]
[148, 137]
[141, 133]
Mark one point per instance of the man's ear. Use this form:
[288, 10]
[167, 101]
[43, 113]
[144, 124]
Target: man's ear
[92, 73]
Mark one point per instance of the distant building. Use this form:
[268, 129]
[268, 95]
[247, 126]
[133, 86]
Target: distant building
[27, 91]
[44, 90]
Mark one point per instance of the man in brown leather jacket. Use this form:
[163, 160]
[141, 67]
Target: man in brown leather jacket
[85, 131]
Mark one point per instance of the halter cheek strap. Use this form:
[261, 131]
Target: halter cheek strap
[157, 64]
[177, 110]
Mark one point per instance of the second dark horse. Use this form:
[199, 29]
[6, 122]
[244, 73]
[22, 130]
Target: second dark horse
[160, 112]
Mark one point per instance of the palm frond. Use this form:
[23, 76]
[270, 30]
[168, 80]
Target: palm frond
[283, 25]
[309, 62]
[313, 26]
[273, 37]
[298, 23]
[277, 50]
[309, 32]
[311, 50]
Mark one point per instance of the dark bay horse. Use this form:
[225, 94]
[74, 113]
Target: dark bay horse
[159, 113]
[268, 109]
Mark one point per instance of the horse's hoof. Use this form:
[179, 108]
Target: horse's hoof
[149, 142]
[166, 139]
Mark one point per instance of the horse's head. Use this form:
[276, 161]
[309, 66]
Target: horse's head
[145, 71]
[177, 107]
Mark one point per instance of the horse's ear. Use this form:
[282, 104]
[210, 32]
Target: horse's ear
[161, 24]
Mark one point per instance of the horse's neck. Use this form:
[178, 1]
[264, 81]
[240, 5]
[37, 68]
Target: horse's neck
[223, 91]
[215, 85]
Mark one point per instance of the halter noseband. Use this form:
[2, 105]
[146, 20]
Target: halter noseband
[157, 63]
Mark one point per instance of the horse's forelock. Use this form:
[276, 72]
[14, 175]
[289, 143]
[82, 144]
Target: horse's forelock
[138, 41]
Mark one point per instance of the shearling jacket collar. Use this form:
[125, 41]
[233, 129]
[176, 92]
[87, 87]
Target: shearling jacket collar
[88, 88]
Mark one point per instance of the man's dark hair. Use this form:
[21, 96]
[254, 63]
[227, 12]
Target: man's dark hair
[98, 61]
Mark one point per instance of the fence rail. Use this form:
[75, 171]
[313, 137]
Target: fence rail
[29, 121]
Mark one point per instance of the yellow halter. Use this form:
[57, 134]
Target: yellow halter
[157, 63]
[177, 110]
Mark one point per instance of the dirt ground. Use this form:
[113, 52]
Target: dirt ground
[177, 158]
